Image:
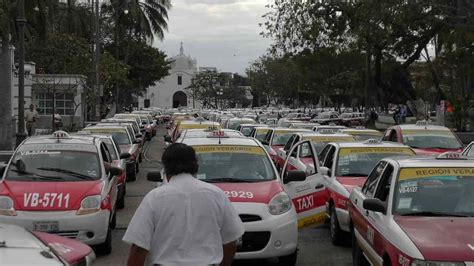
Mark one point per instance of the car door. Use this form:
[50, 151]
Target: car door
[308, 196]
[283, 153]
[363, 220]
[111, 181]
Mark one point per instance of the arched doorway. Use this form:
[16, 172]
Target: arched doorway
[180, 99]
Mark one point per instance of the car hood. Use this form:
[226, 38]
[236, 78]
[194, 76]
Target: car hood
[49, 196]
[350, 183]
[259, 192]
[441, 238]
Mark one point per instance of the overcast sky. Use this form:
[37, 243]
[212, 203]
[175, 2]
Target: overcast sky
[218, 33]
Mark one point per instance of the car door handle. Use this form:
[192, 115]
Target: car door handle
[366, 213]
[355, 201]
[319, 186]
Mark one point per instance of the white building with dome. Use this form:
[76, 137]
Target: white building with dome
[170, 92]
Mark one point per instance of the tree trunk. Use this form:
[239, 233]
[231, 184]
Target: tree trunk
[6, 135]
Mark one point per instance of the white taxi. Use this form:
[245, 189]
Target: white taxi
[63, 185]
[415, 211]
[346, 165]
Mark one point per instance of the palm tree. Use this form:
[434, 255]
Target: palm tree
[145, 20]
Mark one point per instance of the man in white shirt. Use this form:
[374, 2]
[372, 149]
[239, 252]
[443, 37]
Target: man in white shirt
[31, 116]
[186, 221]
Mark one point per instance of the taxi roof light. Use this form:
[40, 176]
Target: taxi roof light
[451, 156]
[373, 141]
[61, 134]
[218, 134]
[424, 123]
[360, 127]
[327, 131]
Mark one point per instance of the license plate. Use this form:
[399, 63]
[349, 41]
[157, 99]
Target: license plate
[46, 226]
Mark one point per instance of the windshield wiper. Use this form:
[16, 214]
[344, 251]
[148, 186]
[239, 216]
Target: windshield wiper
[434, 214]
[354, 175]
[69, 172]
[229, 180]
[36, 176]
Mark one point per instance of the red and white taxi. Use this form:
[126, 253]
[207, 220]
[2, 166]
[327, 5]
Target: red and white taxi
[415, 211]
[276, 138]
[126, 143]
[300, 159]
[424, 138]
[345, 166]
[64, 185]
[23, 247]
[242, 168]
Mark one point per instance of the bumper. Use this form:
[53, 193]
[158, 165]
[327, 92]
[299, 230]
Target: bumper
[70, 225]
[343, 219]
[277, 234]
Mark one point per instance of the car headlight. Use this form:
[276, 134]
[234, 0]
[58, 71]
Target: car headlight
[6, 206]
[280, 204]
[90, 204]
[436, 263]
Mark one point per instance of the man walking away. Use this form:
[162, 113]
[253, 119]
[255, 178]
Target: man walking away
[31, 116]
[185, 222]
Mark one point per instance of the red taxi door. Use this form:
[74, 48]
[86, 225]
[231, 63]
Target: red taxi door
[308, 196]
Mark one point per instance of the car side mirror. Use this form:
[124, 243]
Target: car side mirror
[138, 135]
[325, 171]
[137, 141]
[375, 205]
[167, 138]
[294, 176]
[115, 171]
[154, 177]
[125, 155]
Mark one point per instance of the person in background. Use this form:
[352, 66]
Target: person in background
[403, 113]
[184, 222]
[31, 116]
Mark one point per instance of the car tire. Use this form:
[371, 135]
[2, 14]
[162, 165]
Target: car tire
[140, 158]
[106, 247]
[337, 235]
[358, 258]
[121, 200]
[113, 221]
[289, 260]
[132, 173]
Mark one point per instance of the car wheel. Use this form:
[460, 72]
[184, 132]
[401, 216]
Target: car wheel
[289, 260]
[337, 235]
[132, 174]
[358, 258]
[121, 200]
[140, 158]
[113, 221]
[106, 247]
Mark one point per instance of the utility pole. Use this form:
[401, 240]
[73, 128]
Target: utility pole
[97, 61]
[21, 21]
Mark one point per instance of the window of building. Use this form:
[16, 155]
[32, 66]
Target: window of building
[180, 80]
[64, 103]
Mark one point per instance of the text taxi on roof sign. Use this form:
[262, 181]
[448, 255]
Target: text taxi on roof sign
[395, 218]
[62, 184]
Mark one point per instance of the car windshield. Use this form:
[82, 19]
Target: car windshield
[246, 130]
[434, 192]
[54, 165]
[361, 161]
[428, 139]
[234, 163]
[121, 137]
[281, 137]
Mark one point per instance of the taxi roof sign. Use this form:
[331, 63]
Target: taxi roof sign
[217, 134]
[451, 156]
[327, 131]
[61, 134]
[373, 141]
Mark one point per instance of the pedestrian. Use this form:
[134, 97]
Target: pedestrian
[396, 115]
[184, 222]
[403, 113]
[31, 116]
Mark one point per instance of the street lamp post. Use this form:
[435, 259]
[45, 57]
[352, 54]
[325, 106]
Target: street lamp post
[21, 21]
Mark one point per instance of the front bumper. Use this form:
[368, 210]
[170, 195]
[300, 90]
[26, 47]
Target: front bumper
[272, 236]
[70, 225]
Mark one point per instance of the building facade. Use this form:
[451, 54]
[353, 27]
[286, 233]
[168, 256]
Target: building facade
[170, 92]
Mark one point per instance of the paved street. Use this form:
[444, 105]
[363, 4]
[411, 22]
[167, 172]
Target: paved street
[314, 244]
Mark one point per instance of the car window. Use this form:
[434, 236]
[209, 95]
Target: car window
[383, 188]
[289, 143]
[110, 146]
[330, 157]
[323, 153]
[371, 183]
